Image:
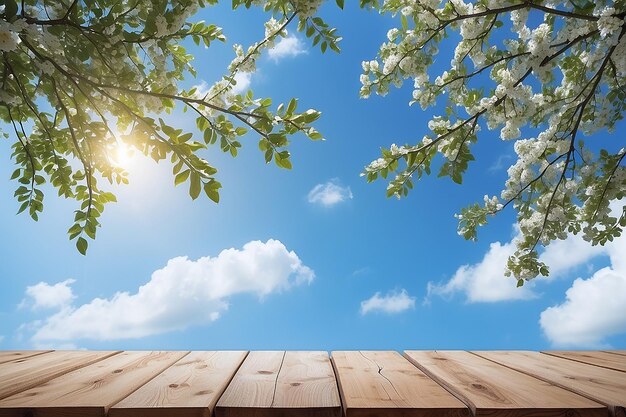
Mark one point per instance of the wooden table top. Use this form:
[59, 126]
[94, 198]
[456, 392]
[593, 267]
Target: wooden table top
[48, 383]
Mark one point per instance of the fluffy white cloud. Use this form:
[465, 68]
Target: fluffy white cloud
[485, 280]
[182, 294]
[391, 303]
[329, 194]
[564, 255]
[44, 295]
[243, 80]
[289, 46]
[594, 308]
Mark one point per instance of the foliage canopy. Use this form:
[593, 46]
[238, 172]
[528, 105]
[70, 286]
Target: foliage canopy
[82, 76]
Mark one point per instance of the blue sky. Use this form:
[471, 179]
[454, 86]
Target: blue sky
[312, 258]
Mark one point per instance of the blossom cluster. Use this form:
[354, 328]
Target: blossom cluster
[307, 8]
[563, 75]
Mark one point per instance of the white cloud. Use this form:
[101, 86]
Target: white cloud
[594, 308]
[243, 80]
[485, 280]
[44, 295]
[201, 89]
[499, 163]
[564, 255]
[182, 294]
[329, 194]
[393, 302]
[289, 46]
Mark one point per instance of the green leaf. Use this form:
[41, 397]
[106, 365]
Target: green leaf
[212, 192]
[182, 177]
[81, 245]
[293, 103]
[22, 207]
[185, 137]
[340, 4]
[10, 8]
[194, 186]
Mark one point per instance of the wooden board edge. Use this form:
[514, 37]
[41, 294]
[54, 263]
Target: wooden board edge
[442, 383]
[615, 352]
[112, 411]
[58, 374]
[160, 412]
[81, 411]
[230, 379]
[3, 361]
[109, 406]
[344, 405]
[278, 412]
[554, 383]
[555, 355]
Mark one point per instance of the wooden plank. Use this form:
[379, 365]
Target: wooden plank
[253, 384]
[22, 374]
[494, 390]
[293, 384]
[307, 380]
[592, 357]
[11, 355]
[386, 384]
[189, 388]
[616, 352]
[605, 386]
[91, 390]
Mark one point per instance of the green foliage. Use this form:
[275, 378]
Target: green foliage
[79, 78]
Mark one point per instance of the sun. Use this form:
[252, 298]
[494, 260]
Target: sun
[122, 155]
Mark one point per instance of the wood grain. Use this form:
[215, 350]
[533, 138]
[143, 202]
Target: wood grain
[592, 357]
[290, 384]
[91, 390]
[386, 384]
[28, 372]
[11, 355]
[189, 388]
[494, 390]
[605, 386]
[616, 352]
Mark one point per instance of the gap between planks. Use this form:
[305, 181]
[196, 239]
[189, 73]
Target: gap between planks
[602, 359]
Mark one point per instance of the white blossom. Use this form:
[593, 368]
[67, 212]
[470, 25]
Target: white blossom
[9, 36]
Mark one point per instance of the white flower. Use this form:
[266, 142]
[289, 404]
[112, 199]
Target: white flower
[392, 34]
[9, 38]
[272, 26]
[307, 8]
[608, 23]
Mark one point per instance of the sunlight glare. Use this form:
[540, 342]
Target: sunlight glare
[123, 155]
